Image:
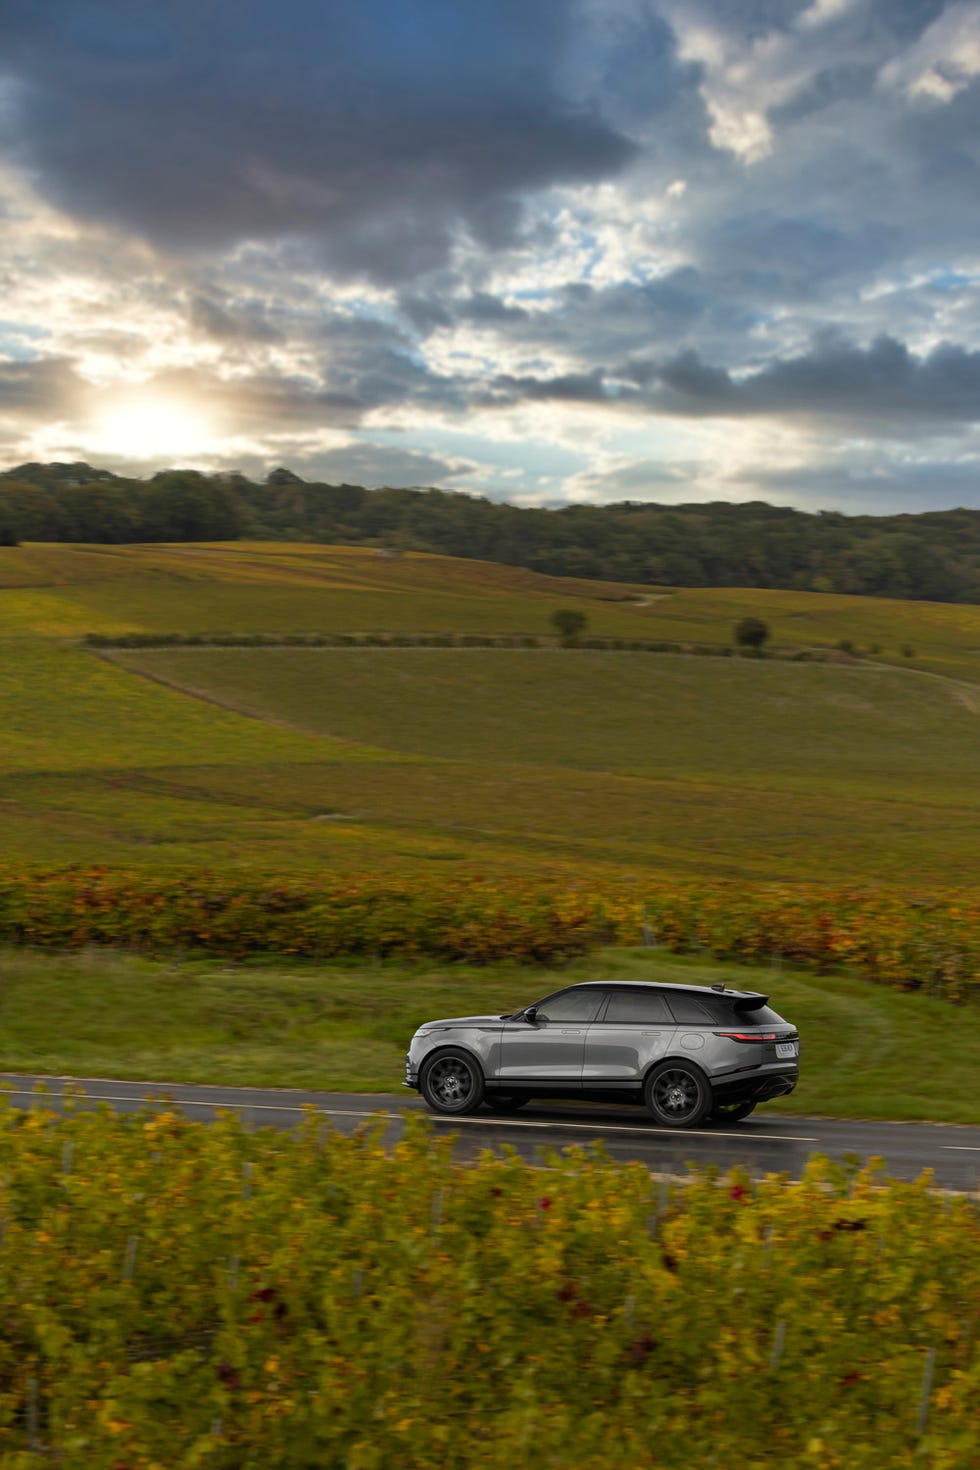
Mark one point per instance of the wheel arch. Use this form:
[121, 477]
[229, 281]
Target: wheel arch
[445, 1049]
[673, 1058]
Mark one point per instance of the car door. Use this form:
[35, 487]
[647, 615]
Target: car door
[551, 1048]
[633, 1029]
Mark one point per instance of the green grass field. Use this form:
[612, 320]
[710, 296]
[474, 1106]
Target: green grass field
[550, 763]
[546, 761]
[67, 590]
[345, 1027]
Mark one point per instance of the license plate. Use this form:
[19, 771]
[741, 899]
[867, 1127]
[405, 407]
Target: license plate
[786, 1049]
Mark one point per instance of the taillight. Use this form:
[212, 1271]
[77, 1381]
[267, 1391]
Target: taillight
[748, 1035]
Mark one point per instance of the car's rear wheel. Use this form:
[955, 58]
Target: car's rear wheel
[452, 1083]
[505, 1102]
[731, 1112]
[677, 1094]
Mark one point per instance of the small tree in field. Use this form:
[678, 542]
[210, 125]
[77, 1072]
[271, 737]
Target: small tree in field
[568, 623]
[751, 633]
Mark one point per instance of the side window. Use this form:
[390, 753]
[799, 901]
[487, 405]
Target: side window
[570, 1005]
[640, 1007]
[690, 1012]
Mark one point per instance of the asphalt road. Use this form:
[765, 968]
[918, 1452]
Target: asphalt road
[764, 1143]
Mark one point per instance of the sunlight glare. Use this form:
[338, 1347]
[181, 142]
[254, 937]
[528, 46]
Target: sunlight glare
[144, 428]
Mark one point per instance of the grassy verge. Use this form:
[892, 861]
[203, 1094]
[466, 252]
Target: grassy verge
[868, 1052]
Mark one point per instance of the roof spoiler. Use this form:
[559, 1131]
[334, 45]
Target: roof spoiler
[751, 1002]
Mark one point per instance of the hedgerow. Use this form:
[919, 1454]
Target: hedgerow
[241, 916]
[441, 640]
[176, 1293]
[911, 942]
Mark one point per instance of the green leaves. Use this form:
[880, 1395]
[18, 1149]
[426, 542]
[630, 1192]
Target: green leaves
[314, 1298]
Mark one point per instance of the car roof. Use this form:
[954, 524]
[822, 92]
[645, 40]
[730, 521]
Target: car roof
[660, 985]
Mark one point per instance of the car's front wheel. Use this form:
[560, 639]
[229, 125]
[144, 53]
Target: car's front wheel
[452, 1083]
[677, 1094]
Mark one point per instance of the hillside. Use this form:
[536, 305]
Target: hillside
[933, 556]
[537, 760]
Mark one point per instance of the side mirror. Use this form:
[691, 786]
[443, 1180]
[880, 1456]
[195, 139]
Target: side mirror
[530, 1015]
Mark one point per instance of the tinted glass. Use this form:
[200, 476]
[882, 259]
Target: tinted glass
[697, 1010]
[690, 1012]
[638, 1006]
[761, 1016]
[570, 1005]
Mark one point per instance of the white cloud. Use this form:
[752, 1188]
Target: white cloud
[945, 59]
[822, 12]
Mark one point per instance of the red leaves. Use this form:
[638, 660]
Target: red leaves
[268, 1295]
[641, 1347]
[570, 1294]
[229, 1375]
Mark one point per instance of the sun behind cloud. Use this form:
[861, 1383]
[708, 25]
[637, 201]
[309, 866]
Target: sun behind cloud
[147, 426]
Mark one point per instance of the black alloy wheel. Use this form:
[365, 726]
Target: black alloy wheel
[452, 1083]
[732, 1112]
[677, 1094]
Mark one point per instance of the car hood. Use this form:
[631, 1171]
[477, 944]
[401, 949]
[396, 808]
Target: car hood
[461, 1021]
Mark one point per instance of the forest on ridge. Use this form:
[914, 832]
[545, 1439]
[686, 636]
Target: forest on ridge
[933, 556]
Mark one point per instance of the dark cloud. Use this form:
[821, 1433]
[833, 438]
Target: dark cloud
[884, 488]
[884, 381]
[845, 81]
[884, 384]
[373, 465]
[376, 128]
[41, 389]
[905, 20]
[645, 479]
[773, 258]
[607, 323]
[223, 319]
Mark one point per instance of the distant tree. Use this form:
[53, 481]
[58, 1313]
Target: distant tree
[183, 505]
[568, 623]
[751, 633]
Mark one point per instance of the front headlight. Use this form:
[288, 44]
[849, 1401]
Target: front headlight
[425, 1030]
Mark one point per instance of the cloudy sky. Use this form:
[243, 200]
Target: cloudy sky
[541, 250]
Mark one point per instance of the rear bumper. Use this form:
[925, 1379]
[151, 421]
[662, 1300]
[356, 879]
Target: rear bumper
[752, 1085]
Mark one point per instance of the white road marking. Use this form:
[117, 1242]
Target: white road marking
[961, 1148]
[496, 1122]
[659, 1133]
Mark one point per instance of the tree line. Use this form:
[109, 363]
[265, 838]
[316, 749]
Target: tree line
[933, 555]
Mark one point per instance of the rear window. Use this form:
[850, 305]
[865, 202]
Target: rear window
[637, 1006]
[691, 1010]
[760, 1016]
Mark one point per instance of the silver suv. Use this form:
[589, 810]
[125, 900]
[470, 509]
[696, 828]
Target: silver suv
[687, 1052]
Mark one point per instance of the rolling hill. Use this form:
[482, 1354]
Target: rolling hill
[542, 760]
